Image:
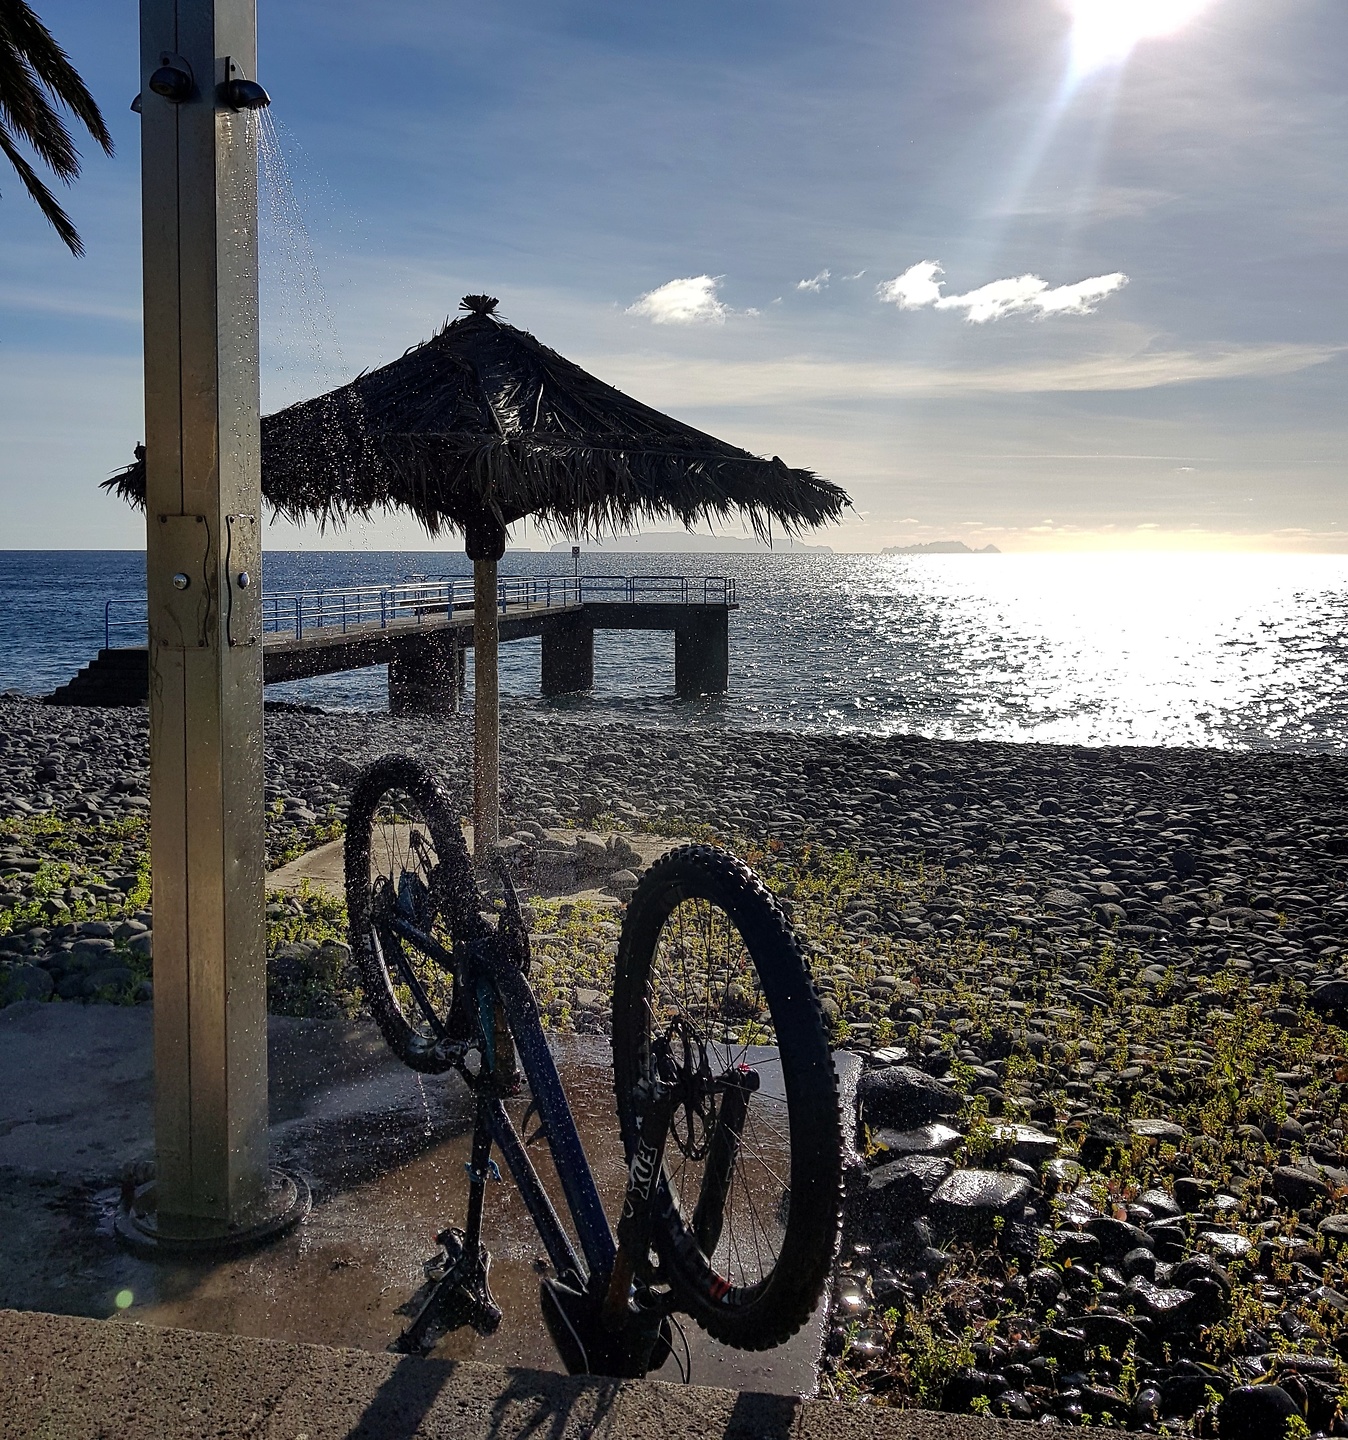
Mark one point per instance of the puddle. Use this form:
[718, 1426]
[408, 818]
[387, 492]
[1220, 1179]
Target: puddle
[384, 1185]
[384, 1150]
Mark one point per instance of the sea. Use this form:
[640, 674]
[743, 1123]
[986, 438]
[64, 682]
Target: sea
[1232, 651]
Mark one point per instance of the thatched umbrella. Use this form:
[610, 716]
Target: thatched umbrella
[480, 426]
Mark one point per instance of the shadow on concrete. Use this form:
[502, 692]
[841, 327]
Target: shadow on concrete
[532, 1405]
[762, 1417]
[403, 1401]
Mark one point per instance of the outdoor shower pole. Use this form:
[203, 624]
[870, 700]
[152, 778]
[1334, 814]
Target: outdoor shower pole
[203, 558]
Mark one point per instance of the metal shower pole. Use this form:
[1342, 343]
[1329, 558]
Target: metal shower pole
[203, 562]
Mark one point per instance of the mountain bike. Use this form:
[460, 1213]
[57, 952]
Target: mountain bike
[727, 1098]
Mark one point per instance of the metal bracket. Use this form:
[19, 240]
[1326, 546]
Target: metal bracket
[243, 577]
[179, 585]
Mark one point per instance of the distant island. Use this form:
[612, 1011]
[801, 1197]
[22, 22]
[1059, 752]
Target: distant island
[682, 542]
[939, 547]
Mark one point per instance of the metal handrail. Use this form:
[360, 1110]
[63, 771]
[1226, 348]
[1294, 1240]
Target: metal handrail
[295, 612]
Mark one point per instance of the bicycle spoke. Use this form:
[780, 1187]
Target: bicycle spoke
[704, 987]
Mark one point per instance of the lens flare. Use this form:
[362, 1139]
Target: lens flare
[1105, 31]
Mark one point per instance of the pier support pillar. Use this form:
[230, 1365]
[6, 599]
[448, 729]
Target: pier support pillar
[427, 677]
[568, 659]
[702, 656]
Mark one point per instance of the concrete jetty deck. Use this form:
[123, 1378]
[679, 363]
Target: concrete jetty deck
[423, 634]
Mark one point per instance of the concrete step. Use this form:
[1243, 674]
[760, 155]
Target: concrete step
[88, 1379]
[114, 677]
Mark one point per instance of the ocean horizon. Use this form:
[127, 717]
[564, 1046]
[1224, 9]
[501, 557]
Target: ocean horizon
[1230, 650]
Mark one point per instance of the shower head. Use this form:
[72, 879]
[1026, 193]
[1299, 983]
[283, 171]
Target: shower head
[246, 95]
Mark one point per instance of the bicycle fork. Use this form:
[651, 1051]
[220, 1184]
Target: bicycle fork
[461, 1292]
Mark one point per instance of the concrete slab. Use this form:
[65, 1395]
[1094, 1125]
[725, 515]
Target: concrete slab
[322, 868]
[383, 1148]
[76, 1379]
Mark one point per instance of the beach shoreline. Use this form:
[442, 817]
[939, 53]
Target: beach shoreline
[1100, 993]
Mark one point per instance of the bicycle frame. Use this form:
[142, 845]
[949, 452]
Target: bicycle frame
[595, 1312]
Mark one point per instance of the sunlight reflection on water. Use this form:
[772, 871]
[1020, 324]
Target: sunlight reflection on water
[1222, 650]
[1237, 651]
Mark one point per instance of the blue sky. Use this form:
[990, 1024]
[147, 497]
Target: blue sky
[575, 158]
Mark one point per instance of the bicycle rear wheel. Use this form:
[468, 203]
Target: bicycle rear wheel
[406, 859]
[712, 995]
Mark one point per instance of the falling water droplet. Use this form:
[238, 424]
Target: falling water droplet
[299, 330]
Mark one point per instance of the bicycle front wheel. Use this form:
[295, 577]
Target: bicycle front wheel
[713, 998]
[406, 861]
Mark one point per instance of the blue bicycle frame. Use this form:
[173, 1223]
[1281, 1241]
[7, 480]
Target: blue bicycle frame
[489, 971]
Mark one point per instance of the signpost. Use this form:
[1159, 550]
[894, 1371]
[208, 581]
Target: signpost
[213, 1184]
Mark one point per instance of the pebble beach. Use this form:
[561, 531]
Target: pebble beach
[1102, 1166]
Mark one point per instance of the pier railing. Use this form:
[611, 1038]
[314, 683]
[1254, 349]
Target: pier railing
[414, 602]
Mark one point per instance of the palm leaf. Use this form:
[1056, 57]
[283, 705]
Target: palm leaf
[52, 66]
[35, 72]
[45, 200]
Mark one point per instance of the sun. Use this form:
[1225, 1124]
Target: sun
[1105, 31]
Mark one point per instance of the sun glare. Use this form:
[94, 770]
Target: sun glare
[1105, 31]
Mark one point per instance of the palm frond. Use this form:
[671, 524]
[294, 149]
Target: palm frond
[25, 108]
[44, 199]
[35, 72]
[52, 66]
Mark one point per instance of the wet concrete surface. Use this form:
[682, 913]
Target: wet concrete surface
[384, 1150]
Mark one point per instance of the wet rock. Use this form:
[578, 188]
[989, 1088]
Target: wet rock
[1044, 1286]
[935, 1139]
[1227, 1244]
[1102, 1136]
[1256, 1412]
[900, 1191]
[1159, 1203]
[1067, 1346]
[24, 982]
[966, 1386]
[900, 1097]
[970, 1200]
[1114, 1332]
[1331, 996]
[1117, 1237]
[1298, 1188]
[1164, 1131]
[1334, 1228]
[1191, 1194]
[1161, 1303]
[1026, 1143]
[1141, 1261]
[1073, 1245]
[112, 980]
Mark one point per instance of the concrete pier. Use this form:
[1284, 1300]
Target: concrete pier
[428, 677]
[568, 658]
[426, 653]
[702, 654]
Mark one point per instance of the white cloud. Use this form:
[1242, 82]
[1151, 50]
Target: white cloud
[857, 276]
[690, 301]
[920, 286]
[916, 287]
[818, 283]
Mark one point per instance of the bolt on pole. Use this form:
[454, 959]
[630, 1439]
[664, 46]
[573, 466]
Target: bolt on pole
[203, 563]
